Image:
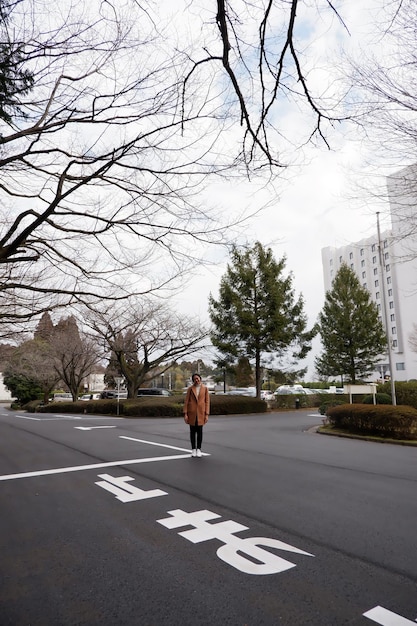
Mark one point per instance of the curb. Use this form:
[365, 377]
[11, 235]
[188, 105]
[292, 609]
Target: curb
[399, 442]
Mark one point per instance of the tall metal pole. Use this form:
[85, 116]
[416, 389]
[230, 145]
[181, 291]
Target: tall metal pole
[385, 312]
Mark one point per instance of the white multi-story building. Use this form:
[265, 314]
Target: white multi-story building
[393, 281]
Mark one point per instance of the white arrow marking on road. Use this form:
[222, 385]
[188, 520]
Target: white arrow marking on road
[91, 427]
[387, 618]
[127, 493]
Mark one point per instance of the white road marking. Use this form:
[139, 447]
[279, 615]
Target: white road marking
[55, 417]
[91, 427]
[235, 548]
[161, 445]
[127, 493]
[25, 417]
[387, 618]
[81, 468]
[49, 419]
[69, 417]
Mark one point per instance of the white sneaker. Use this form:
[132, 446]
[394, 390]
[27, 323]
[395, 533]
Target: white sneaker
[194, 452]
[199, 452]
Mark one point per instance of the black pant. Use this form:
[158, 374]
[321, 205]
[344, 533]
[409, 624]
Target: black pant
[196, 431]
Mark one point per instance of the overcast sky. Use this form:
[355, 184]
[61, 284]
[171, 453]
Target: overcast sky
[314, 205]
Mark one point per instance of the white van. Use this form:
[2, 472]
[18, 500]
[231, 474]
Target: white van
[61, 397]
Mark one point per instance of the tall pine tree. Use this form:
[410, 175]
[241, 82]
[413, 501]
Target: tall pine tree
[352, 334]
[257, 312]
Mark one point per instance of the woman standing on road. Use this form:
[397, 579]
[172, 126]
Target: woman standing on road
[196, 412]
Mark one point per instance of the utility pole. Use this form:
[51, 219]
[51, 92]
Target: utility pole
[385, 312]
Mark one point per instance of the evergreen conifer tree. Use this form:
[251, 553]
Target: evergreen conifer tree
[257, 312]
[352, 334]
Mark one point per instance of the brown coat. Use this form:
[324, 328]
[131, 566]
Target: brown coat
[194, 407]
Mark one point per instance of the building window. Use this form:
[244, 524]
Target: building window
[374, 259]
[373, 247]
[364, 285]
[394, 330]
[400, 366]
[386, 243]
[391, 305]
[377, 295]
[340, 259]
[351, 266]
[394, 343]
[375, 271]
[377, 283]
[390, 292]
[331, 261]
[363, 274]
[350, 255]
[389, 280]
[362, 263]
[362, 251]
[392, 317]
[378, 306]
[388, 268]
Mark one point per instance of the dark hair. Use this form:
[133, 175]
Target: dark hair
[195, 374]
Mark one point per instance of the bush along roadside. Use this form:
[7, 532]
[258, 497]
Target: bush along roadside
[406, 392]
[153, 406]
[393, 422]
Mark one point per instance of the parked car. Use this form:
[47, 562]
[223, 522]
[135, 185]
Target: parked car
[153, 391]
[291, 389]
[90, 396]
[267, 395]
[61, 397]
[242, 391]
[111, 394]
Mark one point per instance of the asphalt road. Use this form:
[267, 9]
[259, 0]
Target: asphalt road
[110, 522]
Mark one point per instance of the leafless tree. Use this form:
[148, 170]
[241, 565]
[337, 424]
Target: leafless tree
[58, 354]
[385, 103]
[104, 151]
[385, 80]
[145, 338]
[75, 355]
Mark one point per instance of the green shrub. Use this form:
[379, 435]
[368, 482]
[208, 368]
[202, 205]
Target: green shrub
[380, 398]
[22, 388]
[228, 405]
[405, 392]
[288, 401]
[395, 422]
[157, 406]
[329, 400]
[32, 406]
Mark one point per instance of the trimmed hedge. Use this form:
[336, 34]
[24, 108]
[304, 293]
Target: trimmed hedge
[287, 401]
[380, 398]
[394, 422]
[157, 406]
[327, 402]
[405, 392]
